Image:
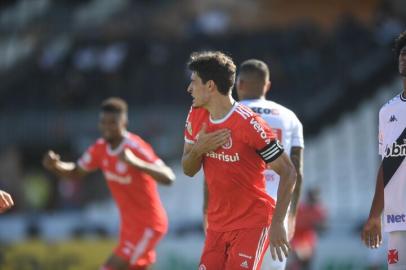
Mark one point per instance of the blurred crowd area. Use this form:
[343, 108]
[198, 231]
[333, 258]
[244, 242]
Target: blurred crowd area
[60, 59]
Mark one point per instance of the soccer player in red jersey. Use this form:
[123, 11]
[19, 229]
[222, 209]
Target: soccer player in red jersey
[6, 202]
[132, 170]
[234, 146]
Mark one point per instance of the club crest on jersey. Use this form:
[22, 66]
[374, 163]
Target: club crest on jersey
[393, 256]
[121, 167]
[228, 144]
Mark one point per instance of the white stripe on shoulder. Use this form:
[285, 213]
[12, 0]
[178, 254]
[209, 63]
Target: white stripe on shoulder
[244, 113]
[189, 141]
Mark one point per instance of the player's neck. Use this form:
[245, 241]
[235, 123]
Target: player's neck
[404, 88]
[220, 107]
[114, 143]
[252, 97]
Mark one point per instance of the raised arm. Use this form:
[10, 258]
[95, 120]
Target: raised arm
[52, 162]
[158, 170]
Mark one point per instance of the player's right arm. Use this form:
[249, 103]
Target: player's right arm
[372, 231]
[193, 152]
[52, 162]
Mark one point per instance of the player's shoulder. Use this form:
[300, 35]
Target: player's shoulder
[100, 143]
[99, 146]
[243, 113]
[283, 109]
[391, 102]
[134, 141]
[285, 112]
[197, 113]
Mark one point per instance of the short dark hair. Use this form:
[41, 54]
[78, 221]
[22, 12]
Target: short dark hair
[257, 67]
[215, 66]
[114, 105]
[400, 42]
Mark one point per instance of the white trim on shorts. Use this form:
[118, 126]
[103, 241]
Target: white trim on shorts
[260, 247]
[142, 245]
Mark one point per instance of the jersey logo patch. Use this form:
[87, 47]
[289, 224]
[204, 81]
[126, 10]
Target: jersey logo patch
[228, 144]
[244, 264]
[393, 118]
[121, 167]
[393, 256]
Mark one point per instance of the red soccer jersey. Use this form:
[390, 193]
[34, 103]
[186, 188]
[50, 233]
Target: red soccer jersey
[234, 172]
[134, 191]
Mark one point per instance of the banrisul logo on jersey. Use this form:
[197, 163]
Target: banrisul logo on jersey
[395, 150]
[223, 156]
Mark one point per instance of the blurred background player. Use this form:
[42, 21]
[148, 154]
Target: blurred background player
[311, 220]
[253, 83]
[390, 190]
[6, 201]
[131, 169]
[233, 145]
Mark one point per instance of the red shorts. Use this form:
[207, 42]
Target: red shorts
[138, 247]
[236, 250]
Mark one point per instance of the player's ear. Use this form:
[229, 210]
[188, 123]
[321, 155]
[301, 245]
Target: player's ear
[125, 120]
[210, 85]
[267, 86]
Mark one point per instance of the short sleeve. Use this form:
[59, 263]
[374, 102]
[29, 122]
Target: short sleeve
[260, 136]
[188, 132]
[297, 134]
[90, 160]
[145, 152]
[194, 122]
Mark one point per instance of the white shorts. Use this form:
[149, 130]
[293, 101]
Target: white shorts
[397, 250]
[268, 263]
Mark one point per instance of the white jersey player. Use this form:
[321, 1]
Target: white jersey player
[390, 192]
[252, 85]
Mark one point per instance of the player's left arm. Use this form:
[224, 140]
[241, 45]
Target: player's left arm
[260, 136]
[278, 239]
[158, 169]
[205, 204]
[296, 156]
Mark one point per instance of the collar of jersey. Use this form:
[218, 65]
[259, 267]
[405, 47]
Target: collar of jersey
[221, 120]
[119, 148]
[402, 98]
